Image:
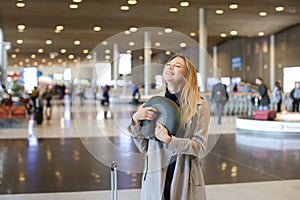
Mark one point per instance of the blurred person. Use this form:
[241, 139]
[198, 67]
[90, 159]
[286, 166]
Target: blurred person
[105, 100]
[235, 88]
[262, 94]
[135, 94]
[6, 99]
[277, 95]
[34, 95]
[219, 96]
[48, 94]
[183, 177]
[295, 96]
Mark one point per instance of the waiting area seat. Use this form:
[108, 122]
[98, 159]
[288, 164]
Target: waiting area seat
[12, 112]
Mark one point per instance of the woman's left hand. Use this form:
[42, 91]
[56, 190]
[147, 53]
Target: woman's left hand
[161, 133]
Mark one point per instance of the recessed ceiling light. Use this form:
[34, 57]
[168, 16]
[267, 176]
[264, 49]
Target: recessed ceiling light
[97, 28]
[104, 43]
[48, 42]
[141, 57]
[19, 41]
[59, 60]
[219, 12]
[124, 8]
[21, 63]
[128, 51]
[20, 4]
[44, 60]
[27, 60]
[33, 56]
[85, 51]
[168, 30]
[107, 57]
[263, 13]
[223, 35]
[127, 32]
[63, 51]
[73, 6]
[233, 6]
[233, 32]
[57, 31]
[173, 10]
[132, 2]
[13, 56]
[261, 33]
[40, 50]
[71, 56]
[107, 51]
[52, 56]
[182, 44]
[192, 34]
[35, 63]
[89, 57]
[157, 44]
[77, 1]
[279, 8]
[133, 29]
[49, 63]
[76, 42]
[168, 52]
[184, 4]
[131, 43]
[59, 27]
[21, 27]
[17, 50]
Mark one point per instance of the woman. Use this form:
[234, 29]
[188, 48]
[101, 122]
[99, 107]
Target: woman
[172, 166]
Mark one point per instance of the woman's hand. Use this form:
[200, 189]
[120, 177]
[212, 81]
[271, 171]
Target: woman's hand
[161, 133]
[144, 113]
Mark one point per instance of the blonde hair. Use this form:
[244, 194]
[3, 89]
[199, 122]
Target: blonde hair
[189, 96]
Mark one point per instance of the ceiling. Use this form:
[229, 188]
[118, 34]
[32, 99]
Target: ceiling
[42, 16]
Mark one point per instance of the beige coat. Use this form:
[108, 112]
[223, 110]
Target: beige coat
[189, 144]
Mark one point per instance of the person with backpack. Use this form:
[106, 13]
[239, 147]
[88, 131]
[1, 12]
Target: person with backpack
[219, 96]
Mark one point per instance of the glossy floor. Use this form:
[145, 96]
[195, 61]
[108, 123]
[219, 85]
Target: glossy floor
[69, 157]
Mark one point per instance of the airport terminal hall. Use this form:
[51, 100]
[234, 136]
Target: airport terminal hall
[149, 99]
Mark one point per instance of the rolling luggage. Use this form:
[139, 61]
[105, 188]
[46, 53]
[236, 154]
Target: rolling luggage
[264, 114]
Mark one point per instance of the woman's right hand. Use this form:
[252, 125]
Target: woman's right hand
[144, 113]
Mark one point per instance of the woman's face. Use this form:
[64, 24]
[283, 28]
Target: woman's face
[174, 70]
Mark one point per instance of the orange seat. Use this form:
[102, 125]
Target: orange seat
[4, 112]
[18, 112]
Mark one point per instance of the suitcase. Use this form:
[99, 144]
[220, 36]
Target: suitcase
[264, 114]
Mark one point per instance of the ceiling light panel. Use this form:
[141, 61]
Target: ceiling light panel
[263, 13]
[219, 12]
[279, 8]
[124, 8]
[132, 2]
[184, 4]
[233, 6]
[173, 10]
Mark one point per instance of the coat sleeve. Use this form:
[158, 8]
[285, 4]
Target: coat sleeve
[196, 144]
[140, 141]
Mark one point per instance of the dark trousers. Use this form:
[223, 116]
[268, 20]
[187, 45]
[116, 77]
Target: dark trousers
[279, 106]
[220, 108]
[296, 105]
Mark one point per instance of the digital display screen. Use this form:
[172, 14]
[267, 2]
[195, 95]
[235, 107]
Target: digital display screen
[125, 64]
[30, 78]
[236, 62]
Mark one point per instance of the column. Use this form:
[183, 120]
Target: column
[147, 61]
[202, 48]
[272, 61]
[2, 67]
[215, 60]
[116, 63]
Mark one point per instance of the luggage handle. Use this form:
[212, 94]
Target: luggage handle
[113, 181]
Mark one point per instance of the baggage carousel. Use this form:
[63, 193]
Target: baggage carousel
[283, 123]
